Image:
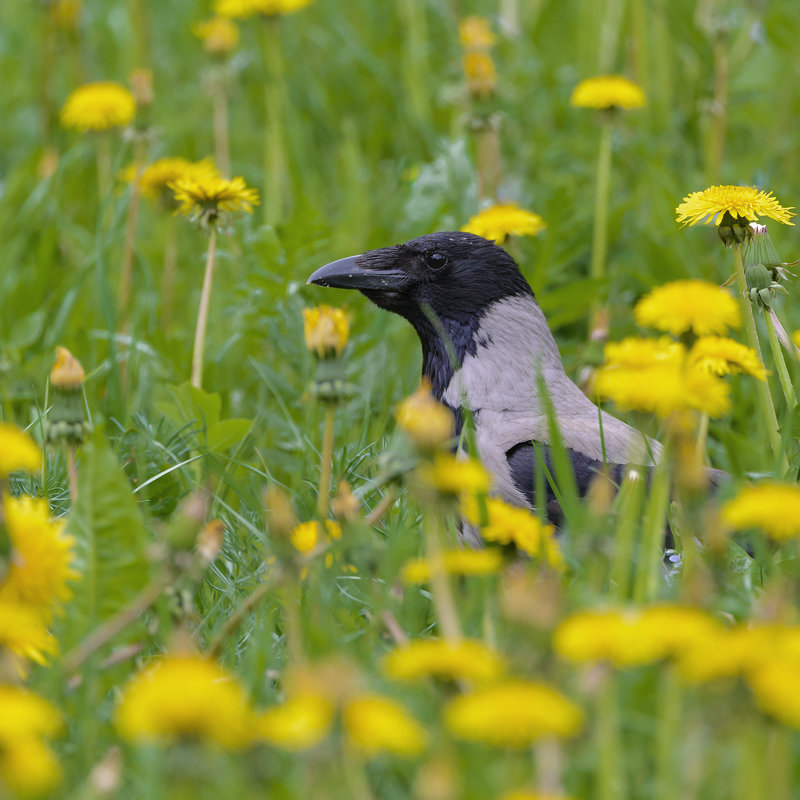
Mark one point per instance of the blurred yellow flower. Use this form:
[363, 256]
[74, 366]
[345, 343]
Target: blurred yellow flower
[454, 562]
[185, 696]
[509, 524]
[476, 33]
[747, 202]
[771, 507]
[500, 221]
[632, 637]
[722, 356]
[155, 178]
[27, 765]
[480, 72]
[424, 658]
[608, 91]
[664, 389]
[18, 451]
[23, 632]
[326, 330]
[688, 305]
[451, 475]
[219, 34]
[67, 372]
[639, 353]
[512, 714]
[242, 9]
[426, 421]
[376, 725]
[774, 685]
[300, 723]
[305, 536]
[41, 557]
[98, 107]
[204, 197]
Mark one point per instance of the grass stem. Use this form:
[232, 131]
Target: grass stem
[325, 466]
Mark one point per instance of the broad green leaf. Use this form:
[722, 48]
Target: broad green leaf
[226, 434]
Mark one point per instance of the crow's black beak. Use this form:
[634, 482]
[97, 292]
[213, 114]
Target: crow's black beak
[347, 274]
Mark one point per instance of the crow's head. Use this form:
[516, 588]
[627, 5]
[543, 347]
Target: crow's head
[455, 276]
[443, 284]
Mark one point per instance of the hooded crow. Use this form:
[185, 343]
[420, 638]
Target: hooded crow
[486, 347]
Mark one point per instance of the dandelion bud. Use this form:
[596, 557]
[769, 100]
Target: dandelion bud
[345, 505]
[209, 541]
[219, 34]
[426, 421]
[481, 74]
[326, 330]
[141, 81]
[66, 422]
[475, 33]
[66, 14]
[186, 524]
[280, 514]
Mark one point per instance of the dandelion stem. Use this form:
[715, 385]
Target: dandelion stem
[384, 504]
[630, 499]
[415, 68]
[649, 566]
[669, 713]
[610, 785]
[126, 273]
[292, 622]
[202, 312]
[780, 363]
[219, 97]
[597, 267]
[103, 152]
[442, 593]
[72, 474]
[168, 273]
[764, 396]
[487, 155]
[325, 466]
[702, 437]
[274, 149]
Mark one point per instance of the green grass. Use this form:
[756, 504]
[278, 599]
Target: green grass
[373, 157]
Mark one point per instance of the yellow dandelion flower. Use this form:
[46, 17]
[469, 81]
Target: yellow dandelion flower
[480, 72]
[451, 475]
[634, 352]
[632, 637]
[747, 202]
[498, 222]
[242, 9]
[305, 536]
[219, 35]
[185, 696]
[41, 557]
[299, 724]
[66, 13]
[426, 421]
[27, 765]
[512, 714]
[23, 632]
[687, 305]
[608, 91]
[664, 390]
[476, 33]
[771, 507]
[425, 658]
[774, 685]
[722, 356]
[155, 178]
[376, 725]
[509, 524]
[326, 330]
[454, 562]
[98, 107]
[18, 451]
[205, 197]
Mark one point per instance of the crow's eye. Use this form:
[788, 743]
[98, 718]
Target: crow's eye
[436, 261]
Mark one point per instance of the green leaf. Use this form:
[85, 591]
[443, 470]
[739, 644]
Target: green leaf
[189, 404]
[227, 433]
[111, 540]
